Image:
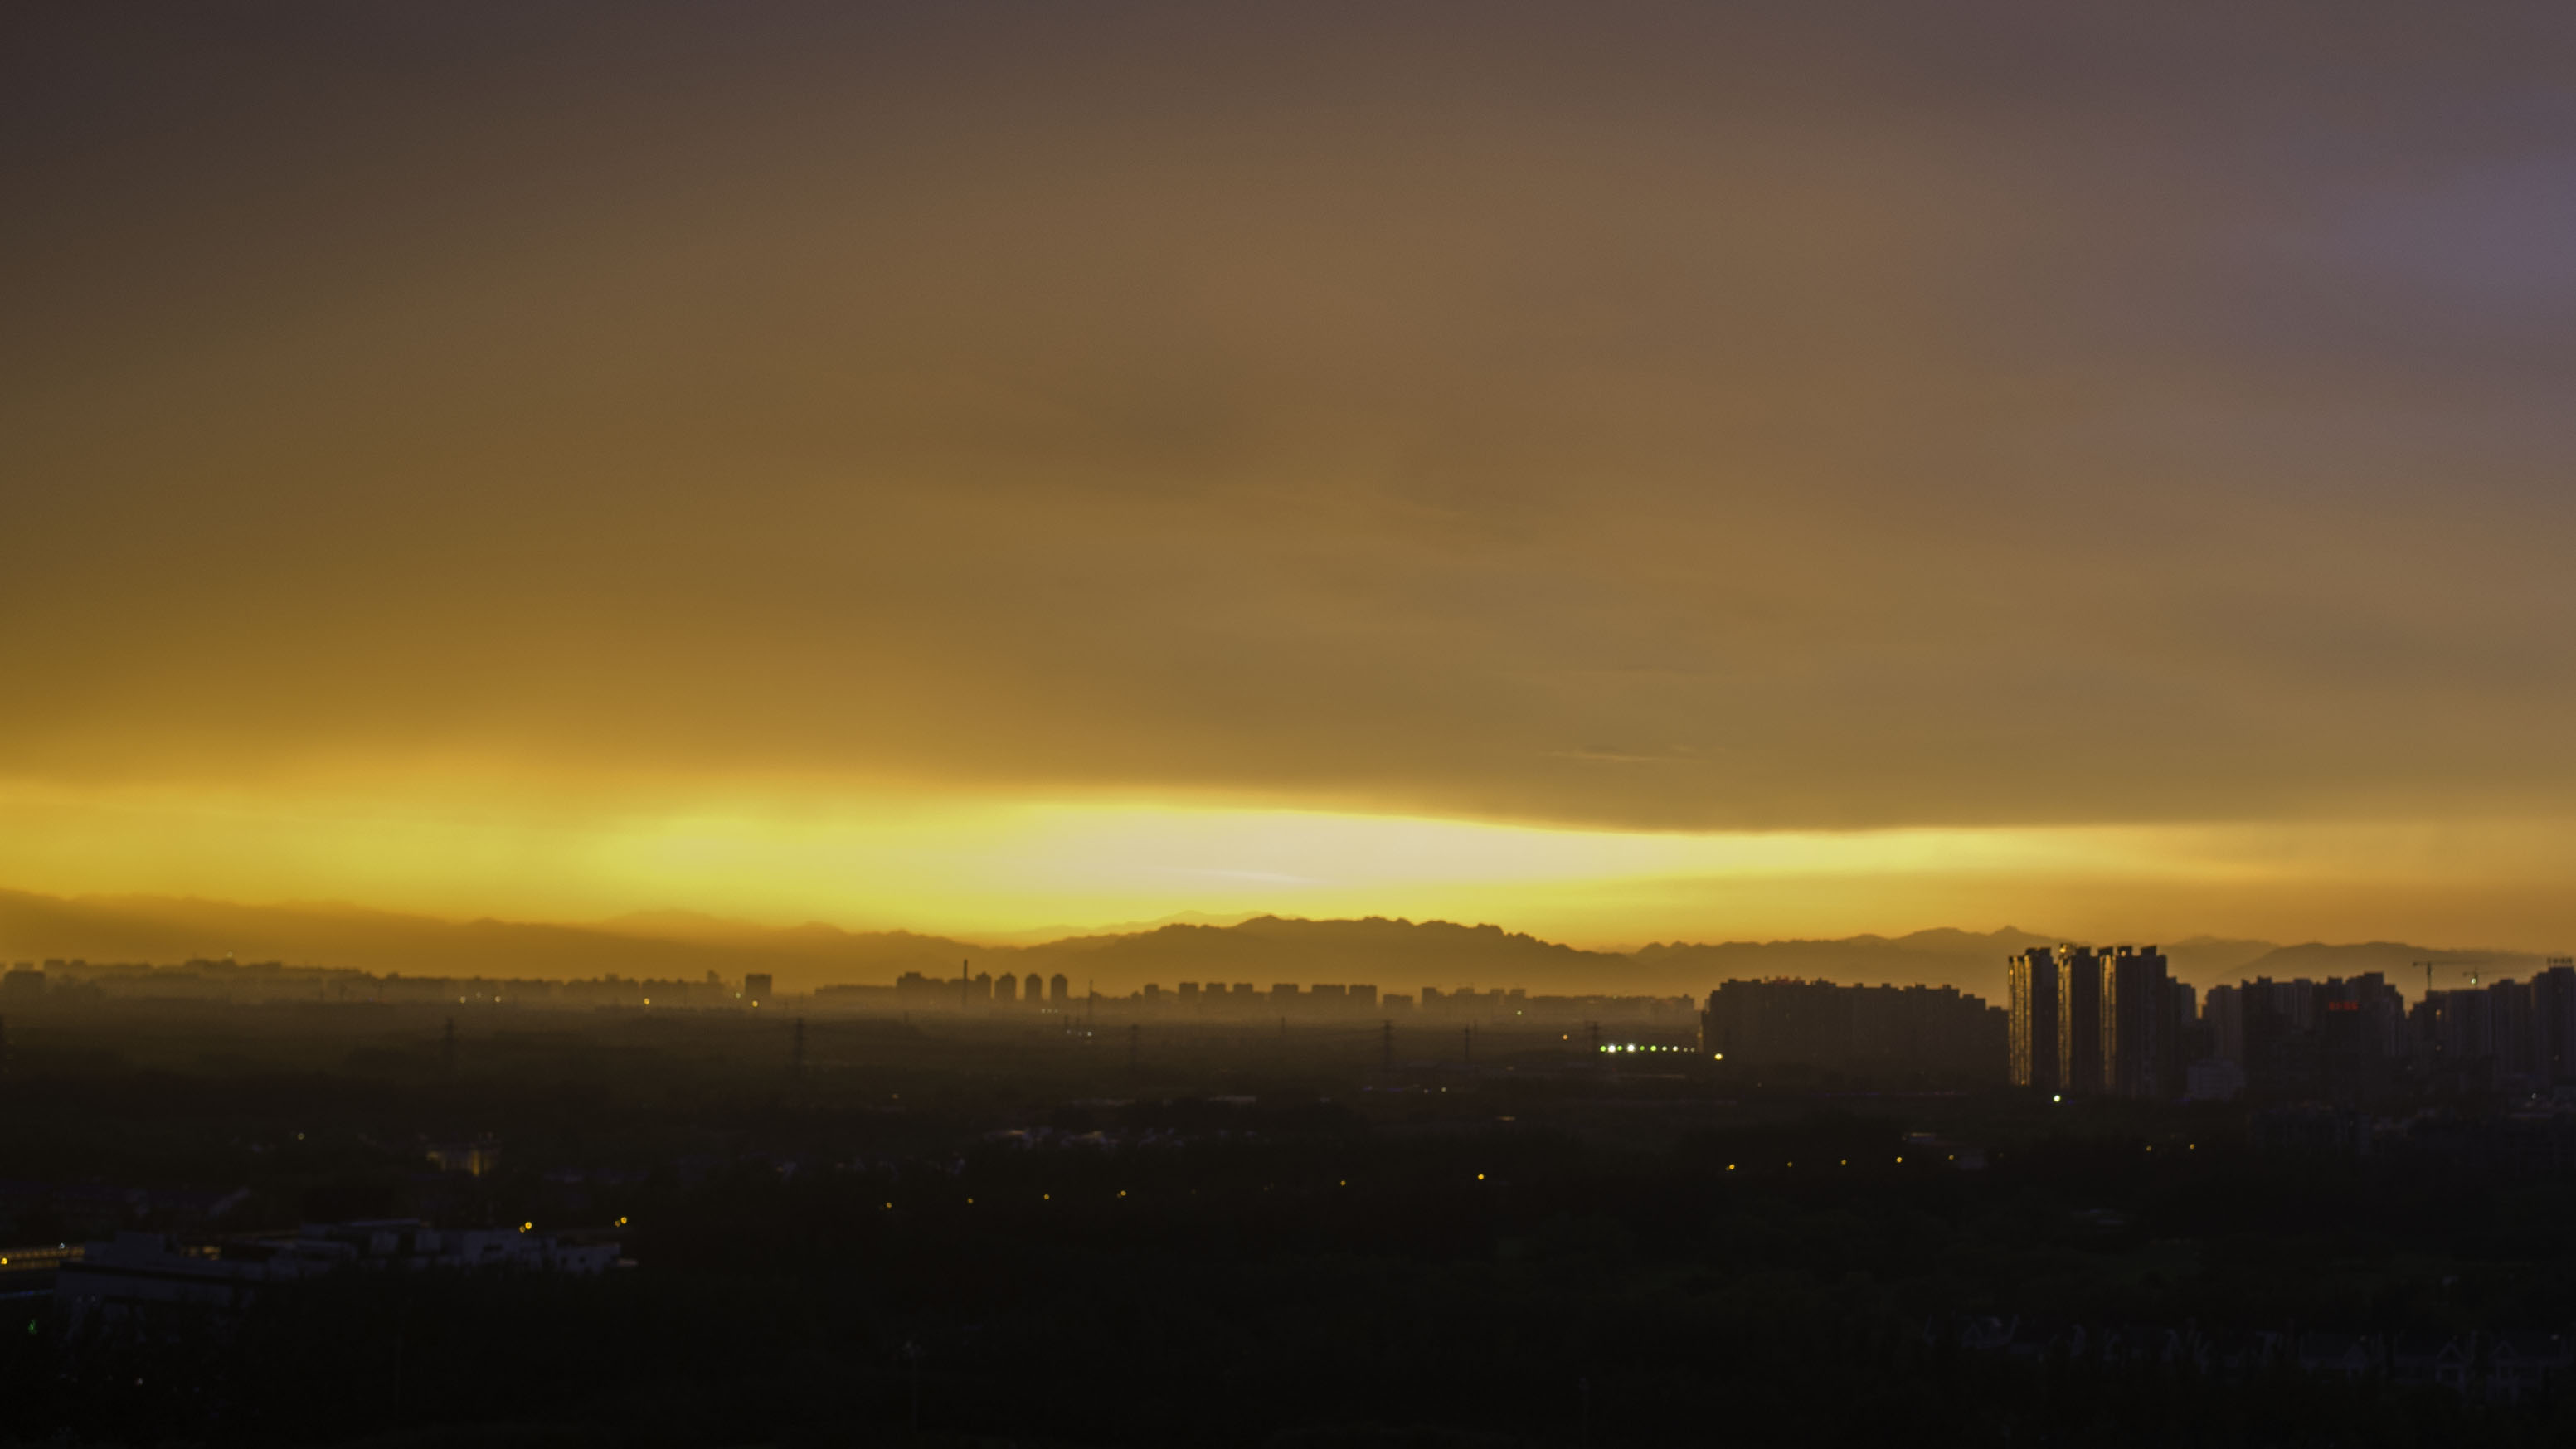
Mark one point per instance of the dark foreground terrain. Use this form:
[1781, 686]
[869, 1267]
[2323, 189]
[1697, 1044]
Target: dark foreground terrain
[973, 1233]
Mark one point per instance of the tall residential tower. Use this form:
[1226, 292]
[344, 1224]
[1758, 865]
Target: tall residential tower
[2079, 1020]
[2031, 986]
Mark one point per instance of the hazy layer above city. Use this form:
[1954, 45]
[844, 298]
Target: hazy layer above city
[891, 465]
[1394, 955]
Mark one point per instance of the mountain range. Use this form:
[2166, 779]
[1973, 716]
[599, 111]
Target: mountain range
[1395, 955]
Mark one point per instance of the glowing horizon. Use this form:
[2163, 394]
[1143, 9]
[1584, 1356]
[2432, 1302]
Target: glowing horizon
[998, 869]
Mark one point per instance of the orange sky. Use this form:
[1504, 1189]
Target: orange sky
[1623, 471]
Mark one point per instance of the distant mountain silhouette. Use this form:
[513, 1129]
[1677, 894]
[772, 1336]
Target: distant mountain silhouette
[1391, 954]
[2205, 961]
[1045, 935]
[169, 930]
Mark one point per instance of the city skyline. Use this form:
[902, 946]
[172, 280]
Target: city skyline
[1394, 952]
[1299, 724]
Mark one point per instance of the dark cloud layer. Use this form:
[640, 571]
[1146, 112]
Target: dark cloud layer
[1658, 416]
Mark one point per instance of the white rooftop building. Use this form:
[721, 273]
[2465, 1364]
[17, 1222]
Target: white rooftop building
[133, 1270]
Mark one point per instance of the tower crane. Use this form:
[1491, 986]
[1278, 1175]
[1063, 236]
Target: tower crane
[2469, 966]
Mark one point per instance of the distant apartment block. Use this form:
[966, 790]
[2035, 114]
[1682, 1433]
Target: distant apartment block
[2349, 1043]
[2138, 1027]
[2030, 984]
[2079, 1020]
[2088, 1022]
[1907, 1030]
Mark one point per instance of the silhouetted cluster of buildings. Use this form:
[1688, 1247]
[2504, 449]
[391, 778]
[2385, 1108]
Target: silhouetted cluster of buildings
[982, 989]
[2085, 1021]
[2097, 1022]
[1817, 1024]
[2338, 1038]
[74, 983]
[2112, 1022]
[1242, 1000]
[2503, 1033]
[1284, 998]
[2358, 1041]
[916, 991]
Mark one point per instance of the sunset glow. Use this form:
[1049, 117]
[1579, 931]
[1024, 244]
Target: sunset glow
[1003, 868]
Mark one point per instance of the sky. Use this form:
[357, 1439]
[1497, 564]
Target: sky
[1625, 471]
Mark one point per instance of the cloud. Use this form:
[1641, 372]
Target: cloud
[2009, 415]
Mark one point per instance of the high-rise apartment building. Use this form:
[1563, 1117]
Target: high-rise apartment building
[2030, 980]
[2225, 1013]
[2137, 1000]
[2553, 1004]
[2079, 1019]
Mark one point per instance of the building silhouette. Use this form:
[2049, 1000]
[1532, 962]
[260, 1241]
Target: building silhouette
[2079, 1020]
[2480, 1037]
[2137, 1004]
[2087, 1022]
[2031, 991]
[1870, 1030]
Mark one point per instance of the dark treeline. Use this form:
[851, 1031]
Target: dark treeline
[1024, 1238]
